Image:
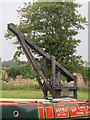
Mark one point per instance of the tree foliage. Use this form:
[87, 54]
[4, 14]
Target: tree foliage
[53, 27]
[24, 70]
[12, 63]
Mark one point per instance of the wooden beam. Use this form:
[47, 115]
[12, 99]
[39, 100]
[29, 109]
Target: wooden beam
[53, 71]
[46, 75]
[20, 36]
[32, 66]
[75, 85]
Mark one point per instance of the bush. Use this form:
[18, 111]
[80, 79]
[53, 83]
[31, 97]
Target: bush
[23, 70]
[84, 73]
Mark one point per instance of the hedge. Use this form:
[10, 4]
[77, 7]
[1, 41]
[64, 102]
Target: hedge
[23, 70]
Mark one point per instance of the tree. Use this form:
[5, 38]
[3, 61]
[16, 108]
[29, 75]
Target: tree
[53, 27]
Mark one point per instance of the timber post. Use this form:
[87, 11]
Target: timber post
[46, 75]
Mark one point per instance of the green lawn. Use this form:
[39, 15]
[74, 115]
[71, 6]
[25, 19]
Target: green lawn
[82, 95]
[31, 90]
[21, 94]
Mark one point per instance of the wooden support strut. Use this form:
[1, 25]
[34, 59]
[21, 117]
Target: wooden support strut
[53, 71]
[36, 66]
[29, 60]
[46, 75]
[58, 84]
[75, 85]
[53, 74]
[21, 36]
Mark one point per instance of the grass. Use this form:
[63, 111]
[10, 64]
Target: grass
[82, 95]
[28, 85]
[31, 90]
[22, 94]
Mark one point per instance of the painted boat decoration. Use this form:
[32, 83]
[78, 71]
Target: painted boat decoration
[44, 109]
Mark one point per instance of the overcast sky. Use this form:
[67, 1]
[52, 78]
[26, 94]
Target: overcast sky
[8, 14]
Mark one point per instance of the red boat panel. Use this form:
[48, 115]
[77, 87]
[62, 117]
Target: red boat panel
[49, 112]
[41, 112]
